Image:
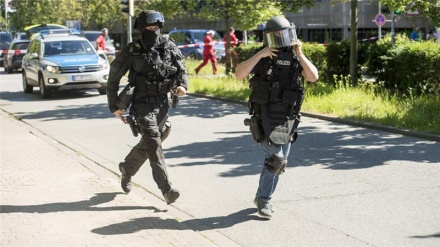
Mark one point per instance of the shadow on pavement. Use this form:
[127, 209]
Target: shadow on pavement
[86, 205]
[145, 223]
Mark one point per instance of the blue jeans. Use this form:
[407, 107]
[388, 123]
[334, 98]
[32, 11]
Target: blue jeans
[268, 181]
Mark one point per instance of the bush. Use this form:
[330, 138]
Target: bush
[338, 61]
[407, 67]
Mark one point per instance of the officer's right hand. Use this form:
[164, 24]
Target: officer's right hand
[118, 113]
[268, 52]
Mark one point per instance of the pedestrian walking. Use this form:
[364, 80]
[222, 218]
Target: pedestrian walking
[415, 35]
[155, 67]
[275, 101]
[100, 41]
[208, 53]
[231, 54]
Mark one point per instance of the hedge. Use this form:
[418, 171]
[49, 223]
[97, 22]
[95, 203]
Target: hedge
[407, 67]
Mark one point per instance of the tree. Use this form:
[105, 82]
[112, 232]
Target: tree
[353, 43]
[428, 8]
[242, 14]
[92, 13]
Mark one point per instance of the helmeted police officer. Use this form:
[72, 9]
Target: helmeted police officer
[155, 67]
[275, 101]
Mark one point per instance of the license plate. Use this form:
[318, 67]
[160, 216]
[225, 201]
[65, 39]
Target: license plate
[81, 77]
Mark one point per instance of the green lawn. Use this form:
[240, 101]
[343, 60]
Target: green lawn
[366, 102]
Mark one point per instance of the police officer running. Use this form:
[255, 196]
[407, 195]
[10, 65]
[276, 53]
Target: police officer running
[155, 67]
[275, 101]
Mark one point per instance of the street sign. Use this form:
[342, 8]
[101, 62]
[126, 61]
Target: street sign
[411, 12]
[380, 19]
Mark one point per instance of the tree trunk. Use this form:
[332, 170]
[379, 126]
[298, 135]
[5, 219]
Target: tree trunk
[353, 43]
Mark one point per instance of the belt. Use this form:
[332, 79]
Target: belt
[151, 99]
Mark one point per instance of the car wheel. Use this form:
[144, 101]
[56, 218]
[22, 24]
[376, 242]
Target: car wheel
[7, 69]
[26, 87]
[44, 91]
[102, 90]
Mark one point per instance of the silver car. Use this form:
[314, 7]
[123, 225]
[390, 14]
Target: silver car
[60, 60]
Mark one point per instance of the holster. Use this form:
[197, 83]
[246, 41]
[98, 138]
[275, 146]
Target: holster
[125, 97]
[133, 125]
[255, 127]
[174, 100]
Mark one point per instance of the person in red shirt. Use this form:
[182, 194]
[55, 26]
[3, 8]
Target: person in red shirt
[208, 53]
[100, 41]
[231, 53]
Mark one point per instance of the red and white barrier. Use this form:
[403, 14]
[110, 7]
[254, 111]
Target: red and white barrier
[212, 43]
[16, 52]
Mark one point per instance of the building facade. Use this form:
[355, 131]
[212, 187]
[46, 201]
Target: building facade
[324, 22]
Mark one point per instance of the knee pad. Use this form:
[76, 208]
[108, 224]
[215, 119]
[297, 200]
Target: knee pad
[275, 164]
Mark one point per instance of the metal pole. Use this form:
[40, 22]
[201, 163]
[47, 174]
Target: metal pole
[129, 32]
[380, 27]
[6, 14]
[393, 33]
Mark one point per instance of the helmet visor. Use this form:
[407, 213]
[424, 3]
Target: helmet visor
[281, 38]
[155, 17]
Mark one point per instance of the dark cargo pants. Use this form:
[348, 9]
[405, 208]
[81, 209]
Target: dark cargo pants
[150, 146]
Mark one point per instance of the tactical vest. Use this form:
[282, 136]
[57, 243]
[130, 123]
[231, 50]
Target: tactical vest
[276, 96]
[152, 69]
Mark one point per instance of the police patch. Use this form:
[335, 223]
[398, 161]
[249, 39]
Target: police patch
[283, 62]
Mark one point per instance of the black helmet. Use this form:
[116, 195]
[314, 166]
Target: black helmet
[148, 18]
[279, 32]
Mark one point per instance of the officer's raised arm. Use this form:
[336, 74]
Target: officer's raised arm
[245, 68]
[310, 72]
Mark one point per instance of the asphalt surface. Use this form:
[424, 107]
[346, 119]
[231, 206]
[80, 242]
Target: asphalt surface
[346, 185]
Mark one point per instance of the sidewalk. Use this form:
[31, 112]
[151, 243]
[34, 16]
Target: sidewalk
[52, 196]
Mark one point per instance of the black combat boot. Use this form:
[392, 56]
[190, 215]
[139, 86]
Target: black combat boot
[126, 179]
[171, 195]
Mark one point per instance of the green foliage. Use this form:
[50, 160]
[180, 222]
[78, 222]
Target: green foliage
[94, 14]
[338, 61]
[408, 67]
[413, 68]
[427, 8]
[372, 103]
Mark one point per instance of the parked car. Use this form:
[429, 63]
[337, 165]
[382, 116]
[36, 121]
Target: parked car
[5, 41]
[190, 42]
[59, 60]
[93, 35]
[33, 30]
[21, 36]
[13, 58]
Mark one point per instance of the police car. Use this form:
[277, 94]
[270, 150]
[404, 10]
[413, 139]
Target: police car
[62, 60]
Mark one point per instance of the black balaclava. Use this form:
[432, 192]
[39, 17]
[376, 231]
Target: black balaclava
[149, 38]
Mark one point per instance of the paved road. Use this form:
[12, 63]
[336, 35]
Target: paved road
[345, 185]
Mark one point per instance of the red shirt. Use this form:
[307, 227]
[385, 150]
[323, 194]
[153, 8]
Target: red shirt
[234, 40]
[100, 42]
[208, 48]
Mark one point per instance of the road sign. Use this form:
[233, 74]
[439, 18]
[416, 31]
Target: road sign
[380, 19]
[411, 12]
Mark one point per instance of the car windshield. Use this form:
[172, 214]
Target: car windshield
[21, 46]
[5, 37]
[79, 47]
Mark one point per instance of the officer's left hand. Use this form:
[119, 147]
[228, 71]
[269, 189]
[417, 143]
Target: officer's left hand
[118, 113]
[297, 47]
[180, 91]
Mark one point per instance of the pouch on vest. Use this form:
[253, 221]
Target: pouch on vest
[260, 90]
